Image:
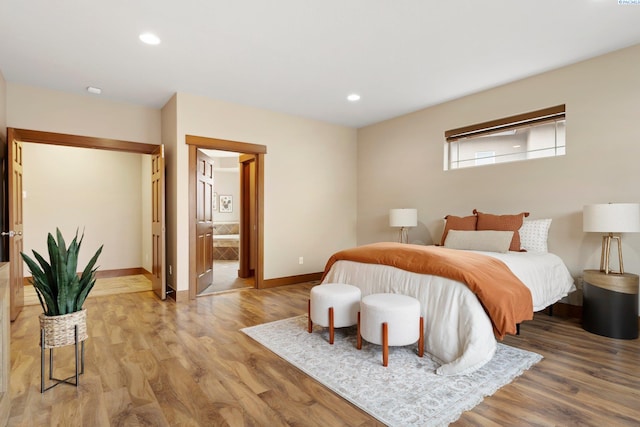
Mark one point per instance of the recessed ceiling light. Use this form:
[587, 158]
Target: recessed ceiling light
[150, 38]
[353, 97]
[94, 90]
[516, 146]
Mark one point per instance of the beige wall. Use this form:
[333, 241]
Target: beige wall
[4, 255]
[144, 195]
[92, 190]
[170, 141]
[53, 111]
[400, 161]
[310, 182]
[3, 108]
[226, 181]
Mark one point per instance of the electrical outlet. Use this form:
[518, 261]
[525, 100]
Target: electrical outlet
[301, 260]
[170, 270]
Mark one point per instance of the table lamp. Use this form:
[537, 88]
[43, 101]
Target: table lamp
[611, 218]
[403, 218]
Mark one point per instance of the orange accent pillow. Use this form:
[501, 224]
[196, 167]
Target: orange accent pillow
[503, 223]
[466, 223]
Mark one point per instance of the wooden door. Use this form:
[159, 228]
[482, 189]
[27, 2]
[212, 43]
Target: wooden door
[158, 234]
[248, 216]
[204, 222]
[14, 234]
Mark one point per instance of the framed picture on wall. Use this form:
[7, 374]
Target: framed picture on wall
[214, 202]
[226, 203]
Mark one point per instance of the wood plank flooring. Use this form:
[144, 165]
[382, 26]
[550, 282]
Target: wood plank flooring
[103, 286]
[164, 364]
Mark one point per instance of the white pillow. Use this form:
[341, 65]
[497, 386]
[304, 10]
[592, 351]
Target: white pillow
[534, 234]
[481, 240]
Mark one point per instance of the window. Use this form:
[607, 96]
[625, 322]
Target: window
[525, 136]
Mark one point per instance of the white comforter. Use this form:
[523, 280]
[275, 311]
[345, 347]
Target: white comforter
[458, 332]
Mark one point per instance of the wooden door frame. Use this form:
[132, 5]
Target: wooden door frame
[195, 142]
[247, 163]
[67, 140]
[40, 137]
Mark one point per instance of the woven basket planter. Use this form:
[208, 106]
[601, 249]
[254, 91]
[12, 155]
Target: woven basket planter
[60, 330]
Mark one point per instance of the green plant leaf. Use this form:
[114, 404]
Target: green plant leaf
[87, 279]
[59, 287]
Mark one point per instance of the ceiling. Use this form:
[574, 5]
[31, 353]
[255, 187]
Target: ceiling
[303, 57]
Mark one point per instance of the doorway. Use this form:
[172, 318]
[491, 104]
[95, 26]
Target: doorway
[18, 136]
[248, 204]
[218, 208]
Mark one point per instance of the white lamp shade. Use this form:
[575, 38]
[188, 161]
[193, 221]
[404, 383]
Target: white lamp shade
[403, 217]
[612, 218]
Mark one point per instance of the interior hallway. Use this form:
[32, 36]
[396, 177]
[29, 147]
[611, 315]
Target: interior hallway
[225, 278]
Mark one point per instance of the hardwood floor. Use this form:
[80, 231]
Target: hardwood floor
[103, 286]
[160, 363]
[225, 278]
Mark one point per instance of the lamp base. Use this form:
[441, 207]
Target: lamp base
[606, 254]
[403, 235]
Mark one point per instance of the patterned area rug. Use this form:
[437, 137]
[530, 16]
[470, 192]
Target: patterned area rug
[407, 392]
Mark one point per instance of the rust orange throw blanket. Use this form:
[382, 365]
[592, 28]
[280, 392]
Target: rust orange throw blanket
[504, 297]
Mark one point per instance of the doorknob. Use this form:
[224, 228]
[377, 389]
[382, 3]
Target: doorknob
[11, 233]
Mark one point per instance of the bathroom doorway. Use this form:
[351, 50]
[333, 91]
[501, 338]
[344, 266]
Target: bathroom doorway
[247, 202]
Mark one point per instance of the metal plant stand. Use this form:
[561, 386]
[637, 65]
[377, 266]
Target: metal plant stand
[57, 381]
[61, 331]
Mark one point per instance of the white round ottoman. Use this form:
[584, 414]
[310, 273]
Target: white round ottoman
[333, 305]
[390, 320]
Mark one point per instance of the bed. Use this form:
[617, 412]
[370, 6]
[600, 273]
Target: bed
[458, 331]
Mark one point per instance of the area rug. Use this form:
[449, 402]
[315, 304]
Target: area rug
[407, 392]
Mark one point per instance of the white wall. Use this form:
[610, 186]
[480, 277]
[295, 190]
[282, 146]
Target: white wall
[310, 182]
[53, 111]
[95, 191]
[400, 160]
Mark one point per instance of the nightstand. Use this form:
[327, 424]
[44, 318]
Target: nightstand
[610, 304]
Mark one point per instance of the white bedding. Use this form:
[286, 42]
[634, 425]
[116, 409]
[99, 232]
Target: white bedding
[458, 332]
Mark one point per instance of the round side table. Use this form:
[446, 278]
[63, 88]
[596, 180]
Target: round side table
[610, 304]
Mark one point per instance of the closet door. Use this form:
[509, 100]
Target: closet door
[158, 234]
[14, 234]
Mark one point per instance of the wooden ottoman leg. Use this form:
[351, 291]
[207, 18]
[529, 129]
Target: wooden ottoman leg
[359, 338]
[421, 339]
[310, 324]
[331, 329]
[385, 344]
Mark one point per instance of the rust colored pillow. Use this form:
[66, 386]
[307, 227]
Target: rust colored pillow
[464, 223]
[503, 223]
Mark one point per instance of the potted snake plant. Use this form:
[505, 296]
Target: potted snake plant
[61, 290]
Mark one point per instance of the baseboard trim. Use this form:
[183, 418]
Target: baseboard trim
[106, 274]
[290, 280]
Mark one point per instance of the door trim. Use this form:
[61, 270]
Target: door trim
[27, 135]
[195, 142]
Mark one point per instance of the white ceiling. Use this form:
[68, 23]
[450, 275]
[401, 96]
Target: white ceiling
[303, 57]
